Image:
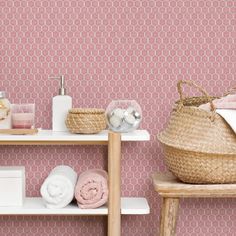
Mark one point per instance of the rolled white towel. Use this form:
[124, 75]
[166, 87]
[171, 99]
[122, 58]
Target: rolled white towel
[58, 188]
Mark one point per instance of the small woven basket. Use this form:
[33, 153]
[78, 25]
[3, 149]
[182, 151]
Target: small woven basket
[199, 146]
[86, 121]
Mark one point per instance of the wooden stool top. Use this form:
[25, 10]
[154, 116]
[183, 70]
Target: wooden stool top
[169, 186]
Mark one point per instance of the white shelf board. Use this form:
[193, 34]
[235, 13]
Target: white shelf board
[49, 135]
[35, 206]
[134, 206]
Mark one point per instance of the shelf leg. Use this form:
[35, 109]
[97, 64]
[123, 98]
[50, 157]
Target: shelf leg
[114, 173]
[169, 213]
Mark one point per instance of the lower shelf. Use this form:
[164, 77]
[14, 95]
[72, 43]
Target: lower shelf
[35, 206]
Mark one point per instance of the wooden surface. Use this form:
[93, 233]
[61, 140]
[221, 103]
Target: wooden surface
[169, 214]
[171, 189]
[19, 131]
[114, 173]
[169, 186]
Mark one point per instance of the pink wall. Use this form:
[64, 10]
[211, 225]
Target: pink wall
[110, 49]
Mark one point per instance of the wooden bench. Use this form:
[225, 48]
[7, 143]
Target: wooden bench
[171, 190]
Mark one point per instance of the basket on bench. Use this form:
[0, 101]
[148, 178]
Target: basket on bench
[199, 146]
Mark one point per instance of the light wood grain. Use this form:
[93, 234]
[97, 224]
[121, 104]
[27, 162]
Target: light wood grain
[19, 131]
[114, 169]
[169, 214]
[169, 186]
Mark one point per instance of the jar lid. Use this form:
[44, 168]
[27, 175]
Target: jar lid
[2, 94]
[86, 111]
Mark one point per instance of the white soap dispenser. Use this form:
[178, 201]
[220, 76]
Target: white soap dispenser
[60, 107]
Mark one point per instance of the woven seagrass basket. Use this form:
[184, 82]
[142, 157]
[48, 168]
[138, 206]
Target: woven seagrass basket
[199, 146]
[86, 121]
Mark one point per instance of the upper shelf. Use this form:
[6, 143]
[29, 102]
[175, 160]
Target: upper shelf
[52, 137]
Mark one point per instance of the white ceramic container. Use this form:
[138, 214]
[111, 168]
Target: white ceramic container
[12, 186]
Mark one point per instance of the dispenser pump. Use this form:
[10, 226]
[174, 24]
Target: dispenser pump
[61, 104]
[62, 90]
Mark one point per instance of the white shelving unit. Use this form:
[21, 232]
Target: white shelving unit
[50, 136]
[116, 205]
[35, 206]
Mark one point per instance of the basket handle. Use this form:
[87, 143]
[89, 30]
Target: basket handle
[192, 84]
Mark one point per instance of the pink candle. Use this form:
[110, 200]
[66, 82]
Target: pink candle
[22, 120]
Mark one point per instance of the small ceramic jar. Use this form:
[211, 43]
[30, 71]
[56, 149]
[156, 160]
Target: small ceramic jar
[123, 115]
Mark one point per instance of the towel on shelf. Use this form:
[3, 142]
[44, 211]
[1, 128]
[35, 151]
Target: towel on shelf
[91, 190]
[58, 188]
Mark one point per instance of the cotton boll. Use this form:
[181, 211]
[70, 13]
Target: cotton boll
[125, 127]
[130, 110]
[119, 112]
[130, 119]
[137, 115]
[115, 121]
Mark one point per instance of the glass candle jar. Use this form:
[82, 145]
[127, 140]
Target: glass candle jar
[5, 112]
[123, 115]
[23, 116]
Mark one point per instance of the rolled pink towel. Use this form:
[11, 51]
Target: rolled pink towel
[227, 102]
[91, 190]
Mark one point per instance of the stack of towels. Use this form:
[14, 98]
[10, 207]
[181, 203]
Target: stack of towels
[90, 188]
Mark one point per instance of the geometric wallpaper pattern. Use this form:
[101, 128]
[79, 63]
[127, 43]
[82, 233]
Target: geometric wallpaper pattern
[107, 50]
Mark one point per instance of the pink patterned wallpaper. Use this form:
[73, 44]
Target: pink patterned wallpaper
[112, 49]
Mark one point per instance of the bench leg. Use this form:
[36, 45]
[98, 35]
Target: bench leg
[169, 213]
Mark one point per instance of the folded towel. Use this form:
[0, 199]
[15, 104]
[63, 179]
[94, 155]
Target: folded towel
[91, 190]
[230, 117]
[227, 102]
[59, 187]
